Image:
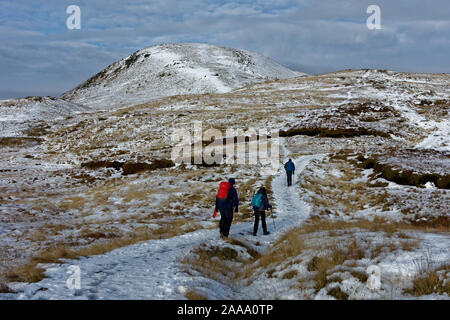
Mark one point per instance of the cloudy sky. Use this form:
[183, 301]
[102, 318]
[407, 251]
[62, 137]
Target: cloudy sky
[40, 56]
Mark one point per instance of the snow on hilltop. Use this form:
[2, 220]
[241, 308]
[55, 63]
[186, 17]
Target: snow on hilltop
[173, 69]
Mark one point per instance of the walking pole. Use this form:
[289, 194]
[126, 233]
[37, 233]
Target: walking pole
[273, 220]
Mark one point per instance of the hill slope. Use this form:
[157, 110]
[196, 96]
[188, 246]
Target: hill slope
[19, 115]
[174, 69]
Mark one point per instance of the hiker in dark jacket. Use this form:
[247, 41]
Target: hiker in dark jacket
[290, 170]
[261, 212]
[226, 209]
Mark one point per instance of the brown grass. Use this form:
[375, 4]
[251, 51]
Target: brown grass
[337, 293]
[438, 223]
[75, 203]
[221, 264]
[289, 245]
[430, 283]
[345, 194]
[378, 224]
[37, 131]
[19, 141]
[290, 274]
[413, 177]
[332, 252]
[361, 276]
[322, 264]
[194, 295]
[5, 289]
[129, 167]
[103, 242]
[332, 132]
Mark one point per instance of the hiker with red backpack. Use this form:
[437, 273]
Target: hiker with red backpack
[226, 201]
[260, 203]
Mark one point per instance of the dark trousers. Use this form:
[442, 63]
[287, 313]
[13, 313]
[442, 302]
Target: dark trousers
[289, 178]
[226, 218]
[259, 214]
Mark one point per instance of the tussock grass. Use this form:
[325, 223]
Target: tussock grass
[289, 245]
[361, 276]
[438, 223]
[194, 295]
[252, 252]
[219, 263]
[290, 274]
[338, 293]
[344, 194]
[129, 167]
[5, 289]
[331, 251]
[38, 236]
[100, 243]
[332, 132]
[25, 273]
[377, 224]
[414, 176]
[433, 281]
[338, 186]
[75, 203]
[19, 141]
[335, 256]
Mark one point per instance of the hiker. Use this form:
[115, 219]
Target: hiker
[290, 170]
[226, 201]
[260, 204]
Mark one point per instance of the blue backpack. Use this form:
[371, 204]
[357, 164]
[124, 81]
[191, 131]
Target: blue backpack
[289, 166]
[257, 201]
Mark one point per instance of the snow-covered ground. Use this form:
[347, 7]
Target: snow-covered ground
[19, 115]
[151, 270]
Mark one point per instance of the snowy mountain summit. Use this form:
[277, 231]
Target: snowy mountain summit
[174, 69]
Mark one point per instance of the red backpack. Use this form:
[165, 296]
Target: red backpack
[223, 190]
[222, 193]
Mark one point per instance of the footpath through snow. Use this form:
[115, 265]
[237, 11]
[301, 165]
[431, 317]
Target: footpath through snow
[151, 269]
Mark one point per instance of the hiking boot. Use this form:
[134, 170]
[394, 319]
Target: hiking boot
[266, 233]
[254, 233]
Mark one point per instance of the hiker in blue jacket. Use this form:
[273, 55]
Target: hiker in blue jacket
[261, 212]
[290, 170]
[226, 209]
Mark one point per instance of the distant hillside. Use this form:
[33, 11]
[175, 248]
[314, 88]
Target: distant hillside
[173, 69]
[18, 115]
